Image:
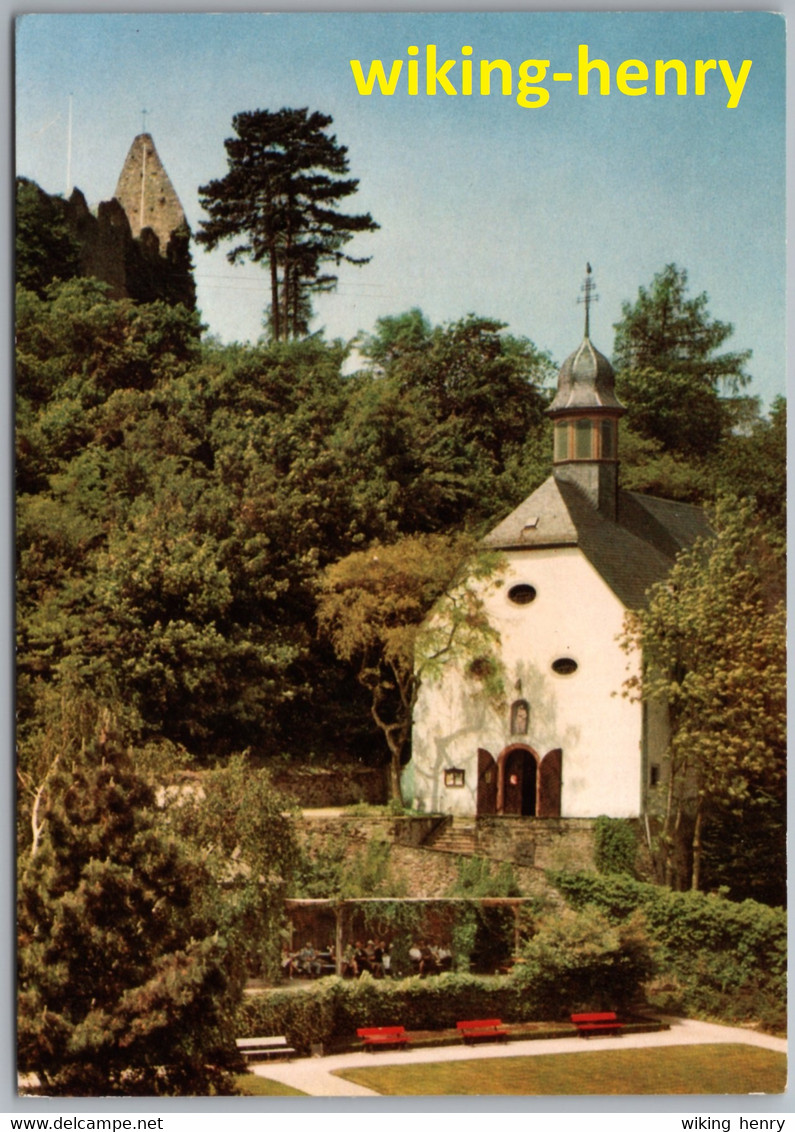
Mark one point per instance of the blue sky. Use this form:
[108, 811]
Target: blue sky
[484, 206]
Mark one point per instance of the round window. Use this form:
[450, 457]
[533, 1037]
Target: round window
[522, 594]
[564, 666]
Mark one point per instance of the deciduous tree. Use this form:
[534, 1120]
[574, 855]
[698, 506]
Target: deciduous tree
[713, 640]
[374, 606]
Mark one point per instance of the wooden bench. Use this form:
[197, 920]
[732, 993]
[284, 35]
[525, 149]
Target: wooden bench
[597, 1023]
[373, 1036]
[482, 1030]
[256, 1049]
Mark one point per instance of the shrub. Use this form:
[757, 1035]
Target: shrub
[615, 845]
[729, 959]
[304, 1016]
[335, 1008]
[579, 960]
[482, 937]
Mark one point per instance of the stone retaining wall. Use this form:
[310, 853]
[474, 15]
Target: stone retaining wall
[540, 843]
[322, 786]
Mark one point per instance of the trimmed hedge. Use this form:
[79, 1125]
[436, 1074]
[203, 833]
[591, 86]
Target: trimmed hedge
[335, 1007]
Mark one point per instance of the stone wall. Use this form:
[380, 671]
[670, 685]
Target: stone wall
[540, 843]
[133, 267]
[314, 787]
[531, 845]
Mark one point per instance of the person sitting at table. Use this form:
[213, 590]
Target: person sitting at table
[360, 958]
[288, 963]
[444, 958]
[427, 961]
[377, 961]
[308, 961]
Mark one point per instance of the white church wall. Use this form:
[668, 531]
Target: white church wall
[574, 615]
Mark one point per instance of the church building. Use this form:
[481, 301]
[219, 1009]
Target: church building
[578, 553]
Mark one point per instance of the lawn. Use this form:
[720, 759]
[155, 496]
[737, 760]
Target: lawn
[733, 1069]
[251, 1085]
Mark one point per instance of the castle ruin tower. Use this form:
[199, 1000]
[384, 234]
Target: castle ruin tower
[146, 194]
[586, 413]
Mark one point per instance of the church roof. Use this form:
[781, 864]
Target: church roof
[631, 553]
[586, 381]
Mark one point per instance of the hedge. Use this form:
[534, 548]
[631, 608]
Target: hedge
[333, 1008]
[721, 958]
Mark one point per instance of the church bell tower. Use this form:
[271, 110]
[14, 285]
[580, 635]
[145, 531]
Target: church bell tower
[586, 412]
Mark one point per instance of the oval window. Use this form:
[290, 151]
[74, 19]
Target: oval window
[564, 666]
[522, 594]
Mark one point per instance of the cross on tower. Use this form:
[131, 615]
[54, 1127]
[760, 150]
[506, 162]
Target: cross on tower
[144, 113]
[588, 296]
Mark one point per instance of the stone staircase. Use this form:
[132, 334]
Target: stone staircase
[457, 835]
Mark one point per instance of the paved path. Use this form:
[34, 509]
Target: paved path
[315, 1075]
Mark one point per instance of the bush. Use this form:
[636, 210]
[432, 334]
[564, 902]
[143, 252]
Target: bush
[304, 1016]
[616, 845]
[335, 1008]
[729, 959]
[582, 961]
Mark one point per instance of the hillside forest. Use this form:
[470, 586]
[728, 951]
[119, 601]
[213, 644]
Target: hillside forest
[180, 501]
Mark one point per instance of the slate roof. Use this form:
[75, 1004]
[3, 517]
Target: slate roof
[631, 554]
[586, 381]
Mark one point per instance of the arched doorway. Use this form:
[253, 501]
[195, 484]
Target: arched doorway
[518, 781]
[527, 784]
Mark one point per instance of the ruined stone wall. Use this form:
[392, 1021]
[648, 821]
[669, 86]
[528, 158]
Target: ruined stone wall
[133, 268]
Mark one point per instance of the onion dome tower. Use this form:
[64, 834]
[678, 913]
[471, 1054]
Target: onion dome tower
[586, 412]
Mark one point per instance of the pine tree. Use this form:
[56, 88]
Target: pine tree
[285, 179]
[670, 375]
[133, 939]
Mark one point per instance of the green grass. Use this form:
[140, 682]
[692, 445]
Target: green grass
[251, 1085]
[732, 1069]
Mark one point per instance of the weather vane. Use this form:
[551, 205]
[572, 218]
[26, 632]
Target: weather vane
[588, 296]
[143, 114]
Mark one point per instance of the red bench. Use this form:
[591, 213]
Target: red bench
[482, 1029]
[373, 1036]
[598, 1023]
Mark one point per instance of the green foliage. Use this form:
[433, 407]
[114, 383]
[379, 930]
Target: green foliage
[45, 249]
[337, 866]
[304, 1015]
[482, 936]
[279, 195]
[449, 420]
[753, 465]
[335, 1008]
[244, 833]
[583, 961]
[713, 639]
[729, 959]
[373, 606]
[669, 374]
[615, 845]
[126, 974]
